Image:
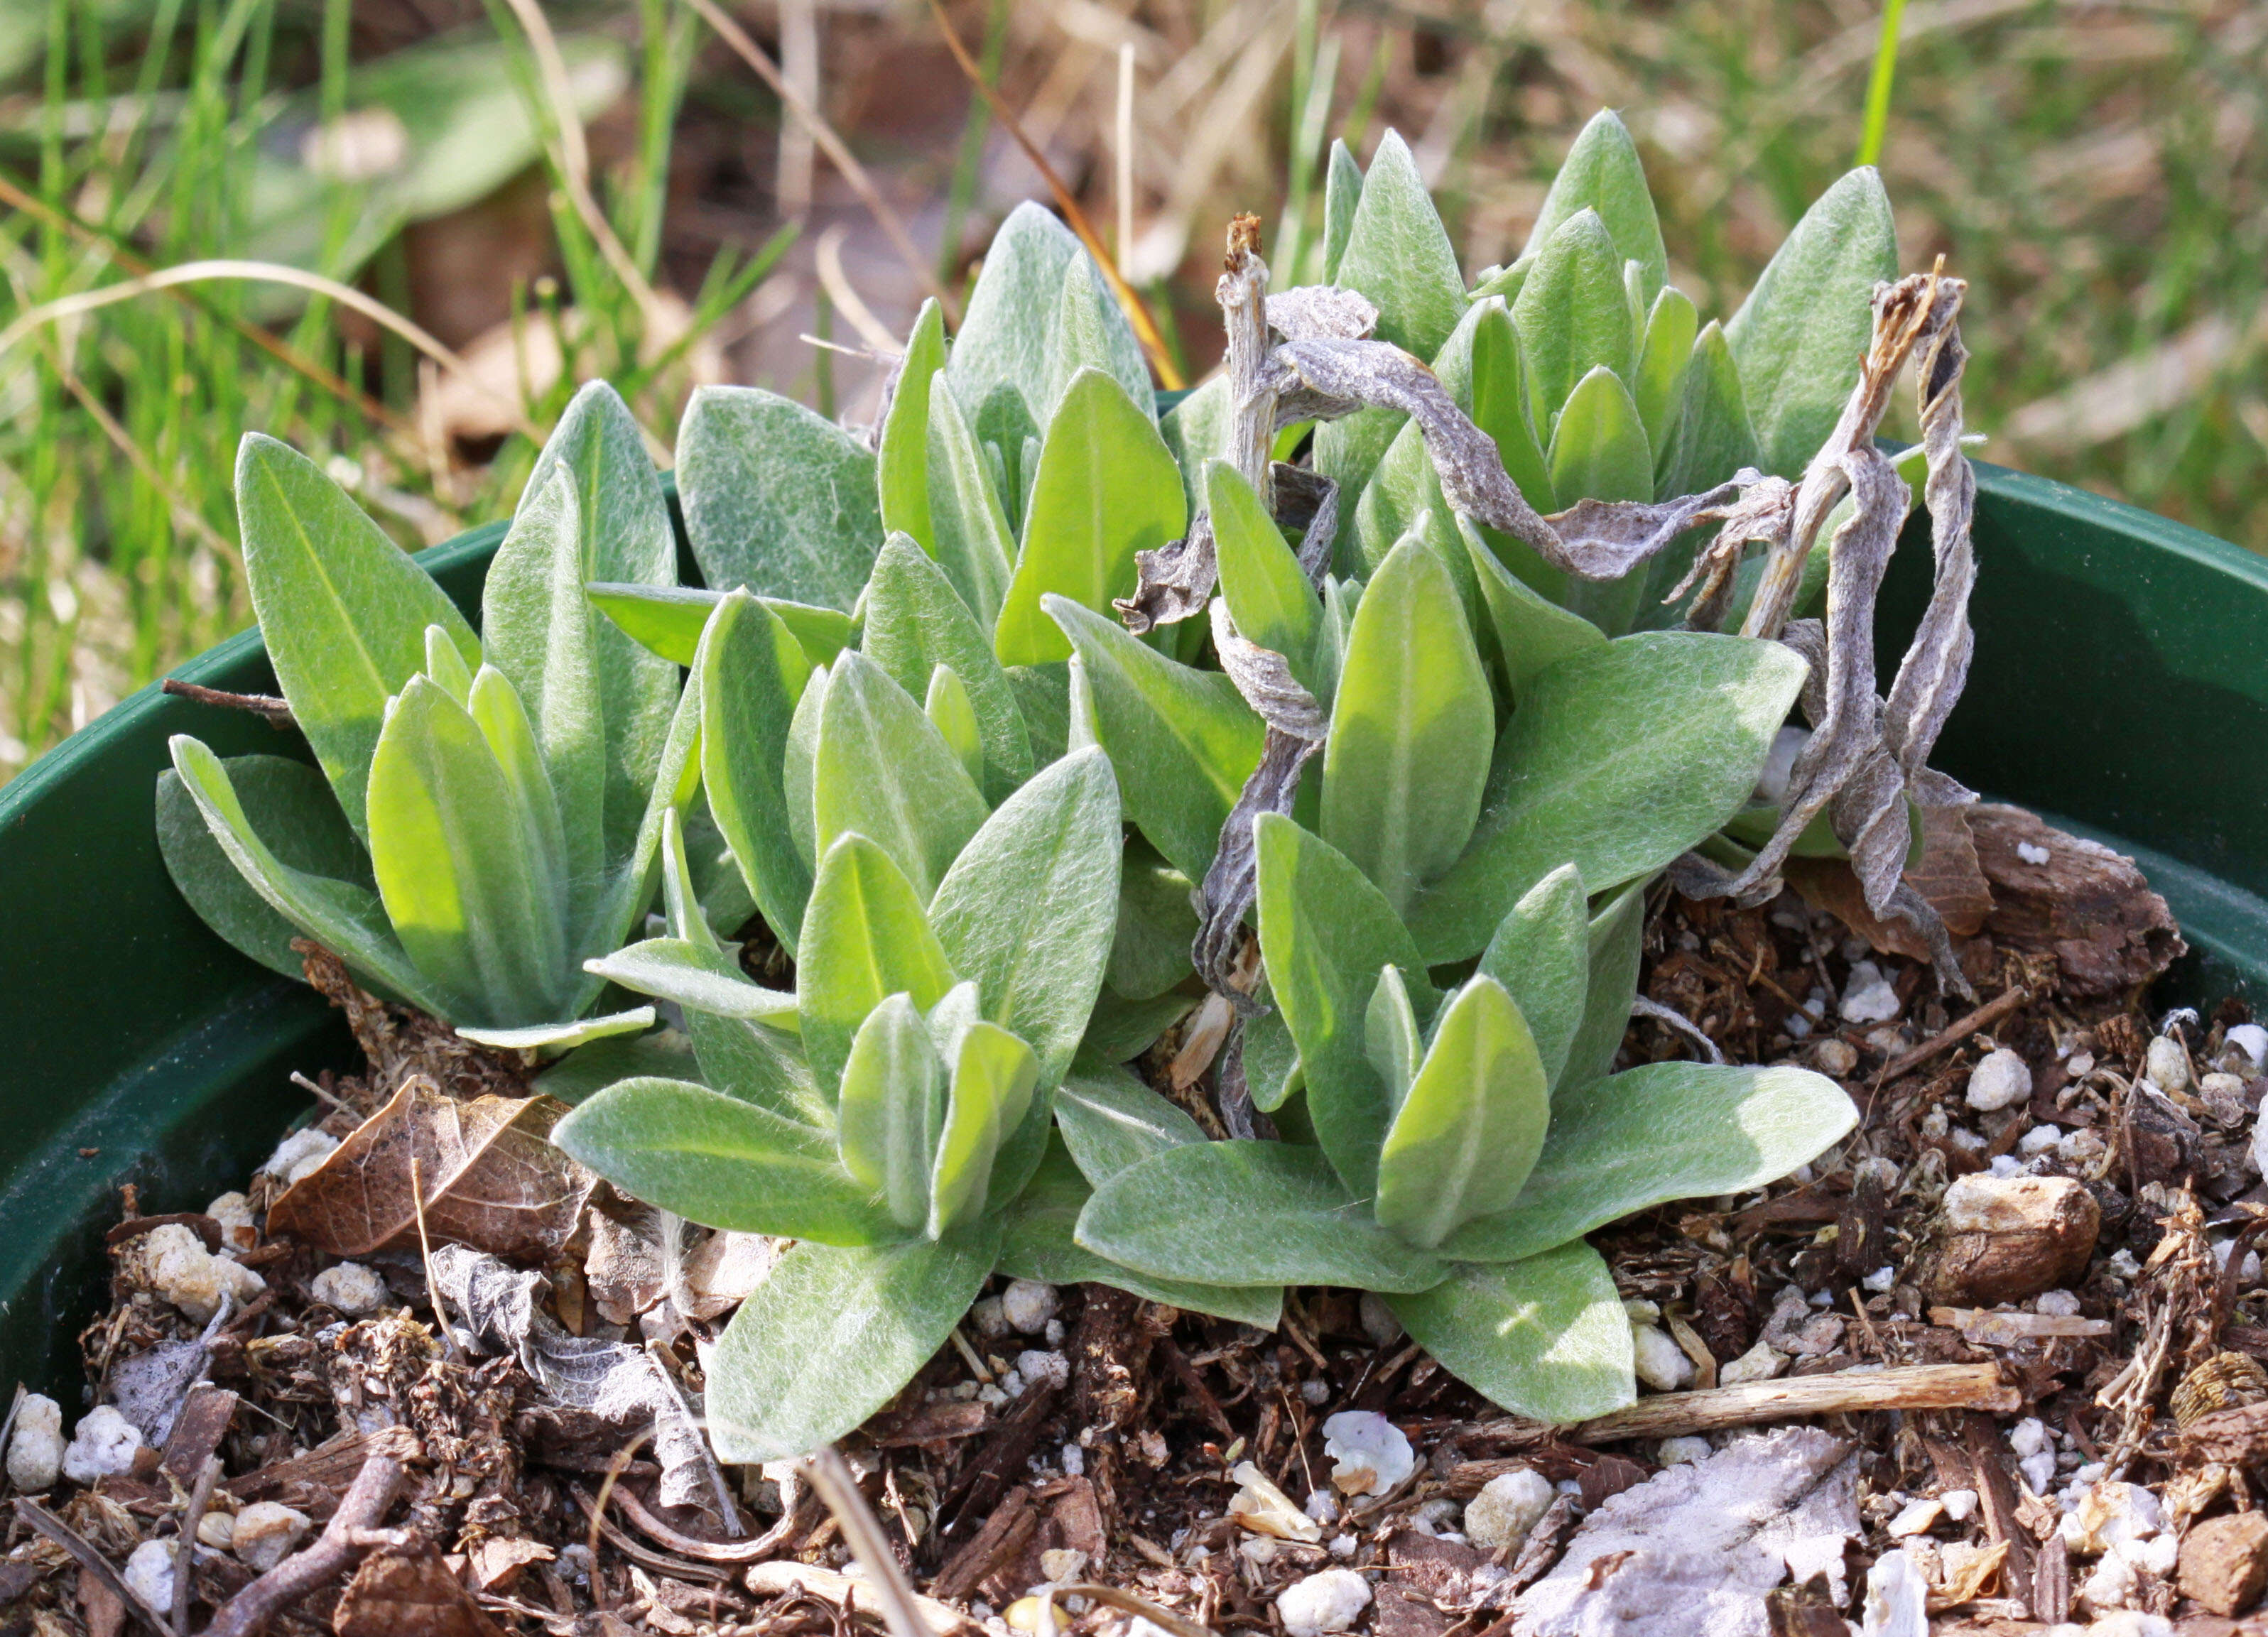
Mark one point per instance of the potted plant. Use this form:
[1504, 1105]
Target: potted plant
[932, 822]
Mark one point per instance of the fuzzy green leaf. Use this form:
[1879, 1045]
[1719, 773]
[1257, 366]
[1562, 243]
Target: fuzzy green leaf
[892, 1110]
[602, 720]
[1572, 317]
[470, 900]
[1341, 193]
[1110, 1120]
[1007, 336]
[1467, 1136]
[993, 1074]
[1028, 909]
[1545, 1337]
[1247, 1214]
[1502, 408]
[1393, 1038]
[1799, 337]
[342, 915]
[973, 543]
[1602, 172]
[1663, 356]
[901, 456]
[776, 498]
[697, 978]
[1092, 332]
[833, 1334]
[881, 769]
[723, 1162]
[1398, 254]
[1107, 488]
[865, 939]
[1196, 431]
[1713, 437]
[751, 674]
[1541, 953]
[915, 621]
[669, 620]
[1599, 451]
[1039, 1245]
[1411, 728]
[1270, 596]
[343, 611]
[1183, 740]
[1663, 1131]
[1619, 760]
[1325, 931]
[1615, 940]
[576, 1031]
[1150, 950]
[287, 805]
[1531, 633]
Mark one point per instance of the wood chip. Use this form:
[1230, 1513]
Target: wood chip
[2006, 1329]
[1841, 1393]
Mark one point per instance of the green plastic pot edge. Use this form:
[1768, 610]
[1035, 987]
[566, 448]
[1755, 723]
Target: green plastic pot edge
[163, 1061]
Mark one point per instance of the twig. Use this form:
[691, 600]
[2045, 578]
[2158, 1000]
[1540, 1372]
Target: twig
[1136, 313]
[1111, 1597]
[1671, 1018]
[830, 1475]
[773, 1540]
[645, 1556]
[275, 712]
[426, 1257]
[185, 1561]
[839, 155]
[1954, 1033]
[32, 1513]
[317, 1092]
[345, 1539]
[777, 1579]
[1910, 1387]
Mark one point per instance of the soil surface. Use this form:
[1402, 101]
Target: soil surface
[1995, 1364]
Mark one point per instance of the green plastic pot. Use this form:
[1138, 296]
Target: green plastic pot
[2120, 687]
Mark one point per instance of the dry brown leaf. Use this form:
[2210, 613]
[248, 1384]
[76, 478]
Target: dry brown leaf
[408, 1591]
[489, 1179]
[496, 1559]
[1946, 875]
[1968, 1583]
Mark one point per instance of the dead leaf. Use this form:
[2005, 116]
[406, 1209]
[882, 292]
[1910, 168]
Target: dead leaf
[408, 1591]
[1947, 874]
[496, 1559]
[503, 1309]
[1691, 1551]
[622, 1270]
[489, 1179]
[724, 1269]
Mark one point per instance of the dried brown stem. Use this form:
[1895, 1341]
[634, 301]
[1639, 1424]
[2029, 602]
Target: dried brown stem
[862, 1533]
[778, 1579]
[1910, 1387]
[343, 1543]
[185, 1559]
[275, 711]
[1954, 1033]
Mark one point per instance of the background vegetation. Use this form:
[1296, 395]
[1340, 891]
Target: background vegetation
[510, 199]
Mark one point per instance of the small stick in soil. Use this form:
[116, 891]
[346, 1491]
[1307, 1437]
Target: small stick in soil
[1910, 1387]
[274, 711]
[773, 1540]
[352, 1531]
[1982, 1018]
[185, 1561]
[32, 1513]
[425, 1256]
[778, 1579]
[1126, 1602]
[862, 1533]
